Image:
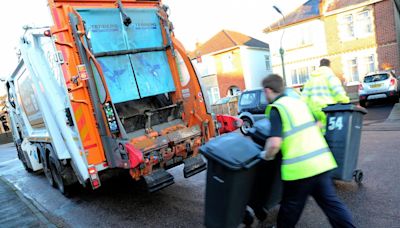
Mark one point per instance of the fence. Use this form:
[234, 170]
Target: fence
[230, 108]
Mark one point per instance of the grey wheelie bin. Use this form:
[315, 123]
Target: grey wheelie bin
[343, 134]
[267, 187]
[232, 160]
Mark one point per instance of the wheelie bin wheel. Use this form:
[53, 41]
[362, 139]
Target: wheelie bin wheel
[358, 176]
[248, 218]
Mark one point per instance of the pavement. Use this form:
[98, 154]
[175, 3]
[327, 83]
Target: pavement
[17, 210]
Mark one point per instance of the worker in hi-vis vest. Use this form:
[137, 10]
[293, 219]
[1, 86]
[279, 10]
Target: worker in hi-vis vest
[306, 158]
[322, 89]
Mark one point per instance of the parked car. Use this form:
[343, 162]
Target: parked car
[252, 105]
[379, 85]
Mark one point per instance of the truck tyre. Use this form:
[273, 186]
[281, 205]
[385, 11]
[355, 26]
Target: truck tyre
[46, 167]
[64, 178]
[56, 173]
[22, 158]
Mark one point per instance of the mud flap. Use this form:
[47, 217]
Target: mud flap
[158, 180]
[193, 166]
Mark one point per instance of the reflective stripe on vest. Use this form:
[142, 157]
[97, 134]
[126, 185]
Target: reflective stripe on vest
[293, 130]
[306, 156]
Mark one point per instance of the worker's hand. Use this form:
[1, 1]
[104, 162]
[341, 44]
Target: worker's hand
[319, 124]
[265, 156]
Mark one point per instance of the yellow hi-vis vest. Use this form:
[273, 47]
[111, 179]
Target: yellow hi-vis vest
[323, 88]
[305, 152]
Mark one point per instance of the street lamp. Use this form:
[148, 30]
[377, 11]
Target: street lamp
[281, 51]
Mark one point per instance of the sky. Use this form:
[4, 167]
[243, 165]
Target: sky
[194, 21]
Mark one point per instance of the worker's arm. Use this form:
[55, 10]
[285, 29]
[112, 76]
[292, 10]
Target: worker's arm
[273, 143]
[337, 90]
[272, 147]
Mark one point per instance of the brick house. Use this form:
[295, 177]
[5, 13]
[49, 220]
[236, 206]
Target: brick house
[358, 36]
[230, 62]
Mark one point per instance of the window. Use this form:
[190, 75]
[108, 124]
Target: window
[263, 98]
[294, 77]
[353, 69]
[227, 63]
[356, 25]
[267, 62]
[247, 98]
[369, 64]
[364, 23]
[233, 90]
[348, 26]
[213, 94]
[299, 76]
[359, 65]
[376, 78]
[303, 36]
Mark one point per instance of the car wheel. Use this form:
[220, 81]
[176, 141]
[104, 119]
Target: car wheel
[247, 124]
[363, 104]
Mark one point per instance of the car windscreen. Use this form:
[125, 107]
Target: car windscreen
[375, 78]
[248, 98]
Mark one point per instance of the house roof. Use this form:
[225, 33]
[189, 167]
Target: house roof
[311, 9]
[338, 4]
[308, 10]
[226, 39]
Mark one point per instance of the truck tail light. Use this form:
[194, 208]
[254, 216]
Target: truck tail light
[94, 177]
[111, 119]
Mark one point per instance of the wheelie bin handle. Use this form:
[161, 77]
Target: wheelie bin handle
[251, 164]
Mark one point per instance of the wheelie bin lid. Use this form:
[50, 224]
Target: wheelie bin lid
[261, 127]
[233, 151]
[345, 107]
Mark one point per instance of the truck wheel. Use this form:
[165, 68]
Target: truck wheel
[247, 124]
[21, 157]
[56, 173]
[46, 169]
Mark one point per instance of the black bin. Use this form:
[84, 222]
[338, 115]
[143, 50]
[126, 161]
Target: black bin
[232, 159]
[267, 189]
[343, 135]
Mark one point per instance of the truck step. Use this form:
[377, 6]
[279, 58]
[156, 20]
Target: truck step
[157, 180]
[193, 166]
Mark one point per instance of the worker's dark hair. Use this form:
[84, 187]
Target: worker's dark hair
[274, 82]
[325, 62]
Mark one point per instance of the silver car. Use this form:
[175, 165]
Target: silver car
[379, 85]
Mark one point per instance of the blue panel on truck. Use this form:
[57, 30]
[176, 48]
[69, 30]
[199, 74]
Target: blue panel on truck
[119, 78]
[104, 28]
[145, 31]
[152, 72]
